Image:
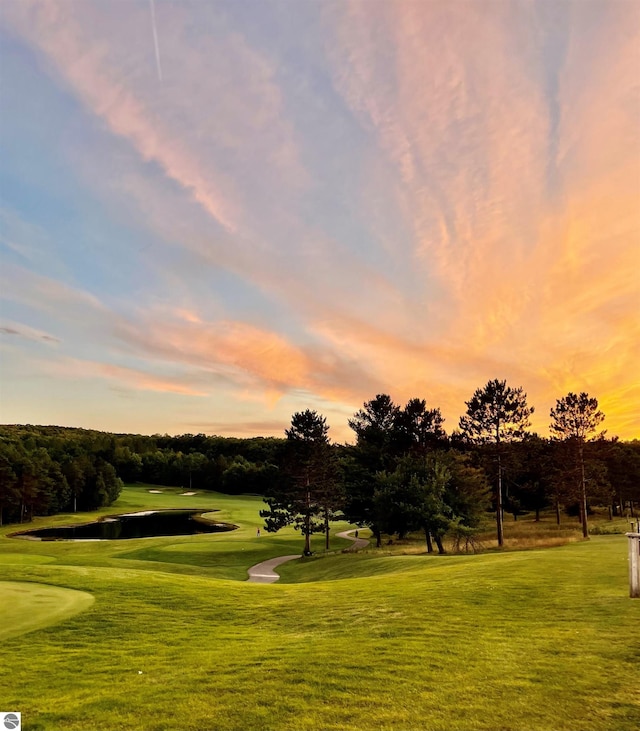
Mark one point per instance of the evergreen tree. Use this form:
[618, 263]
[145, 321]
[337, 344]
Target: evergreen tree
[496, 414]
[307, 489]
[9, 495]
[574, 421]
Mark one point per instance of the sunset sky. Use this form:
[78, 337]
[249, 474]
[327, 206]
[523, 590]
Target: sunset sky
[215, 214]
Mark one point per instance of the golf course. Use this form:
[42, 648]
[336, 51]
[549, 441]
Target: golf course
[157, 633]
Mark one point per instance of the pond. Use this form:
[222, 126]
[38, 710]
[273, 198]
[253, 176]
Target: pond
[145, 524]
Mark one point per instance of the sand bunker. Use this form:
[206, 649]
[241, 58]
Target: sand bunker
[157, 492]
[188, 493]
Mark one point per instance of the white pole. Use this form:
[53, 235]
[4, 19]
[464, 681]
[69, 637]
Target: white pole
[634, 565]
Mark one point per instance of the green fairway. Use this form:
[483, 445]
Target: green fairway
[25, 606]
[514, 641]
[221, 555]
[22, 558]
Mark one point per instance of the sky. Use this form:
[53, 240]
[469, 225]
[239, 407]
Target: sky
[216, 214]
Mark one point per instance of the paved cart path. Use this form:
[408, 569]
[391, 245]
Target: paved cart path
[357, 544]
[264, 572]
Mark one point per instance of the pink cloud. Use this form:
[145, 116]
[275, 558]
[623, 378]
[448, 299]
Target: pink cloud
[128, 377]
[95, 53]
[503, 198]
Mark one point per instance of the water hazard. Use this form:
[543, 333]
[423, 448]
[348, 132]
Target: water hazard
[132, 525]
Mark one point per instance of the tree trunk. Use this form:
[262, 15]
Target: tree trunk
[499, 513]
[557, 511]
[633, 515]
[438, 540]
[585, 523]
[326, 528]
[427, 535]
[537, 513]
[610, 513]
[378, 535]
[307, 525]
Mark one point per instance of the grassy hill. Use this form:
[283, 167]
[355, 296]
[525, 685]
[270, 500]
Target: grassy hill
[536, 639]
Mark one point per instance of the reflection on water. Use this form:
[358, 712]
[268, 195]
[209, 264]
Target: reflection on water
[133, 525]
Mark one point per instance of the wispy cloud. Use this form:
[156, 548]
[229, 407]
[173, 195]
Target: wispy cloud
[20, 284]
[344, 198]
[473, 121]
[29, 333]
[74, 368]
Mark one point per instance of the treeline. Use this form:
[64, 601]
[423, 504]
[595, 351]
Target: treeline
[401, 476]
[37, 481]
[50, 469]
[404, 473]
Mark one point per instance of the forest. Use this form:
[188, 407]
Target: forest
[403, 473]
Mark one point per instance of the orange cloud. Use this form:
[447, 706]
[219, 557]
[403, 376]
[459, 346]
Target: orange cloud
[261, 363]
[494, 233]
[523, 196]
[127, 377]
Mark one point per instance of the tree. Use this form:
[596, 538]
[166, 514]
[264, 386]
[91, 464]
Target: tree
[467, 491]
[9, 495]
[420, 486]
[527, 470]
[127, 463]
[433, 494]
[419, 428]
[375, 425]
[385, 435]
[496, 414]
[74, 472]
[32, 485]
[305, 494]
[623, 465]
[399, 497]
[359, 487]
[573, 420]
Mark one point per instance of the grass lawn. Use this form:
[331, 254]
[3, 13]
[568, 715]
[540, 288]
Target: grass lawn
[29, 606]
[517, 640]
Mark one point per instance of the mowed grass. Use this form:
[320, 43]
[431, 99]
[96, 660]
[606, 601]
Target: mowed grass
[29, 606]
[221, 555]
[537, 639]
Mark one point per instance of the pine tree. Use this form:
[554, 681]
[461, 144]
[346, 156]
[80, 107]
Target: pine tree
[496, 414]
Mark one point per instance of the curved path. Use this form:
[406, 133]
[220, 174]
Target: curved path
[263, 572]
[357, 544]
